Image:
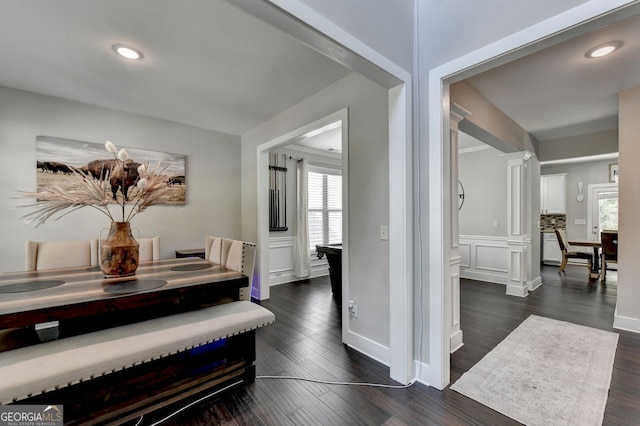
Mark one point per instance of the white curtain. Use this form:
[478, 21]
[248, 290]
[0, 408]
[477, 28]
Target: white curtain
[301, 260]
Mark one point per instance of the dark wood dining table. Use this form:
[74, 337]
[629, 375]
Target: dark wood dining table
[596, 245]
[158, 288]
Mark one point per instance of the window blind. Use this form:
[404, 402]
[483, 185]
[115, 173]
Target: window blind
[324, 208]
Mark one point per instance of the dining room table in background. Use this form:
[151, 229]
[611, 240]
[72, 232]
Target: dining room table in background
[595, 245]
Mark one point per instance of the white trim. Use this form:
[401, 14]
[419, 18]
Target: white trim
[313, 29]
[372, 349]
[625, 323]
[262, 152]
[531, 39]
[592, 195]
[534, 284]
[423, 372]
[474, 149]
[600, 157]
[314, 151]
[319, 267]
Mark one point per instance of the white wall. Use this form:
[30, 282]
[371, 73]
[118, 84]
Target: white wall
[484, 177]
[596, 143]
[447, 31]
[587, 173]
[628, 309]
[368, 189]
[213, 173]
[384, 25]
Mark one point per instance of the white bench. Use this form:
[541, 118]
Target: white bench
[41, 370]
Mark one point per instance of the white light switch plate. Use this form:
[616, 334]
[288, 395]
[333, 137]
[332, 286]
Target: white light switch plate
[580, 221]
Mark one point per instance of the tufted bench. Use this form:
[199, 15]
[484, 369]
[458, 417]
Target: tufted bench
[175, 353]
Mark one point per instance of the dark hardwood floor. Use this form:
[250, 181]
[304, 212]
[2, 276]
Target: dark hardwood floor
[305, 341]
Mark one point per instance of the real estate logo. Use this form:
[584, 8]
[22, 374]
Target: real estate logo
[31, 415]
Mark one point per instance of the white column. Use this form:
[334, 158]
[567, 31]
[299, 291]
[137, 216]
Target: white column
[518, 222]
[451, 211]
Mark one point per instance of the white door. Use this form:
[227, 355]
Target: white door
[602, 210]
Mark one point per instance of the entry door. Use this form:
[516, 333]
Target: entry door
[602, 209]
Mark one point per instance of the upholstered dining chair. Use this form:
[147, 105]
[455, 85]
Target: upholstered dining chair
[609, 253]
[149, 249]
[568, 256]
[60, 254]
[242, 258]
[49, 255]
[216, 249]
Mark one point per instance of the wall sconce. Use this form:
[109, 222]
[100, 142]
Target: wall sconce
[580, 196]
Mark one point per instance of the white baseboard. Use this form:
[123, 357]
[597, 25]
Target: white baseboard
[532, 285]
[483, 276]
[517, 290]
[368, 347]
[281, 264]
[626, 323]
[456, 341]
[423, 373]
[284, 277]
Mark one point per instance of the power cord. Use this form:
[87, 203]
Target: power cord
[305, 379]
[191, 404]
[328, 382]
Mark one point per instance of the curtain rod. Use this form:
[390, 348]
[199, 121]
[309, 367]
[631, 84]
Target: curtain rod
[297, 159]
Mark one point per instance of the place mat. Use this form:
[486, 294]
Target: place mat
[192, 267]
[133, 286]
[29, 286]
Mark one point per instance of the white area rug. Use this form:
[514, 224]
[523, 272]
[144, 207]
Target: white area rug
[546, 372]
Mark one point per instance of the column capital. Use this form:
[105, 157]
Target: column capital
[458, 113]
[520, 155]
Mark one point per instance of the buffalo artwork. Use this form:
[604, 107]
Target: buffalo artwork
[56, 157]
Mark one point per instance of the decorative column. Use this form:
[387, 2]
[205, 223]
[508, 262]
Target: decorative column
[518, 218]
[458, 113]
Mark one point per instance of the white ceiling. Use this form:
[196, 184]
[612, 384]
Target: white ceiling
[210, 65]
[558, 92]
[206, 63]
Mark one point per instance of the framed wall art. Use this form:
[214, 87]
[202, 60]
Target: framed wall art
[56, 156]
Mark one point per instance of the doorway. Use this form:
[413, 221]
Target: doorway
[602, 210]
[285, 140]
[583, 18]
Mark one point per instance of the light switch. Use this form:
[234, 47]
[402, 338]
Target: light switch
[496, 223]
[384, 232]
[580, 221]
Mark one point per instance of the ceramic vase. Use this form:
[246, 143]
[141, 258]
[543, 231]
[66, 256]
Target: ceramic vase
[119, 251]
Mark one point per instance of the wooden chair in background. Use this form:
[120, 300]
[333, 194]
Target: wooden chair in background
[568, 256]
[609, 252]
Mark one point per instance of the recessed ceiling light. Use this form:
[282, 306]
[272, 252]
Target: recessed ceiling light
[127, 51]
[604, 49]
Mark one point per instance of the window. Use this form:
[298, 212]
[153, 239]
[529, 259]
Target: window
[608, 210]
[325, 207]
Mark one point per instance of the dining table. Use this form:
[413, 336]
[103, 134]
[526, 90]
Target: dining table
[596, 245]
[83, 295]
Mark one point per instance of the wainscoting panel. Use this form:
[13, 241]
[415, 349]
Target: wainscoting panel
[281, 262]
[484, 258]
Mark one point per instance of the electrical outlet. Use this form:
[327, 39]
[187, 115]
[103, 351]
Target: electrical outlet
[384, 232]
[353, 309]
[496, 224]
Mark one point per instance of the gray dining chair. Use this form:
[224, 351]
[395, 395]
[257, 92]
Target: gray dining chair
[149, 249]
[60, 254]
